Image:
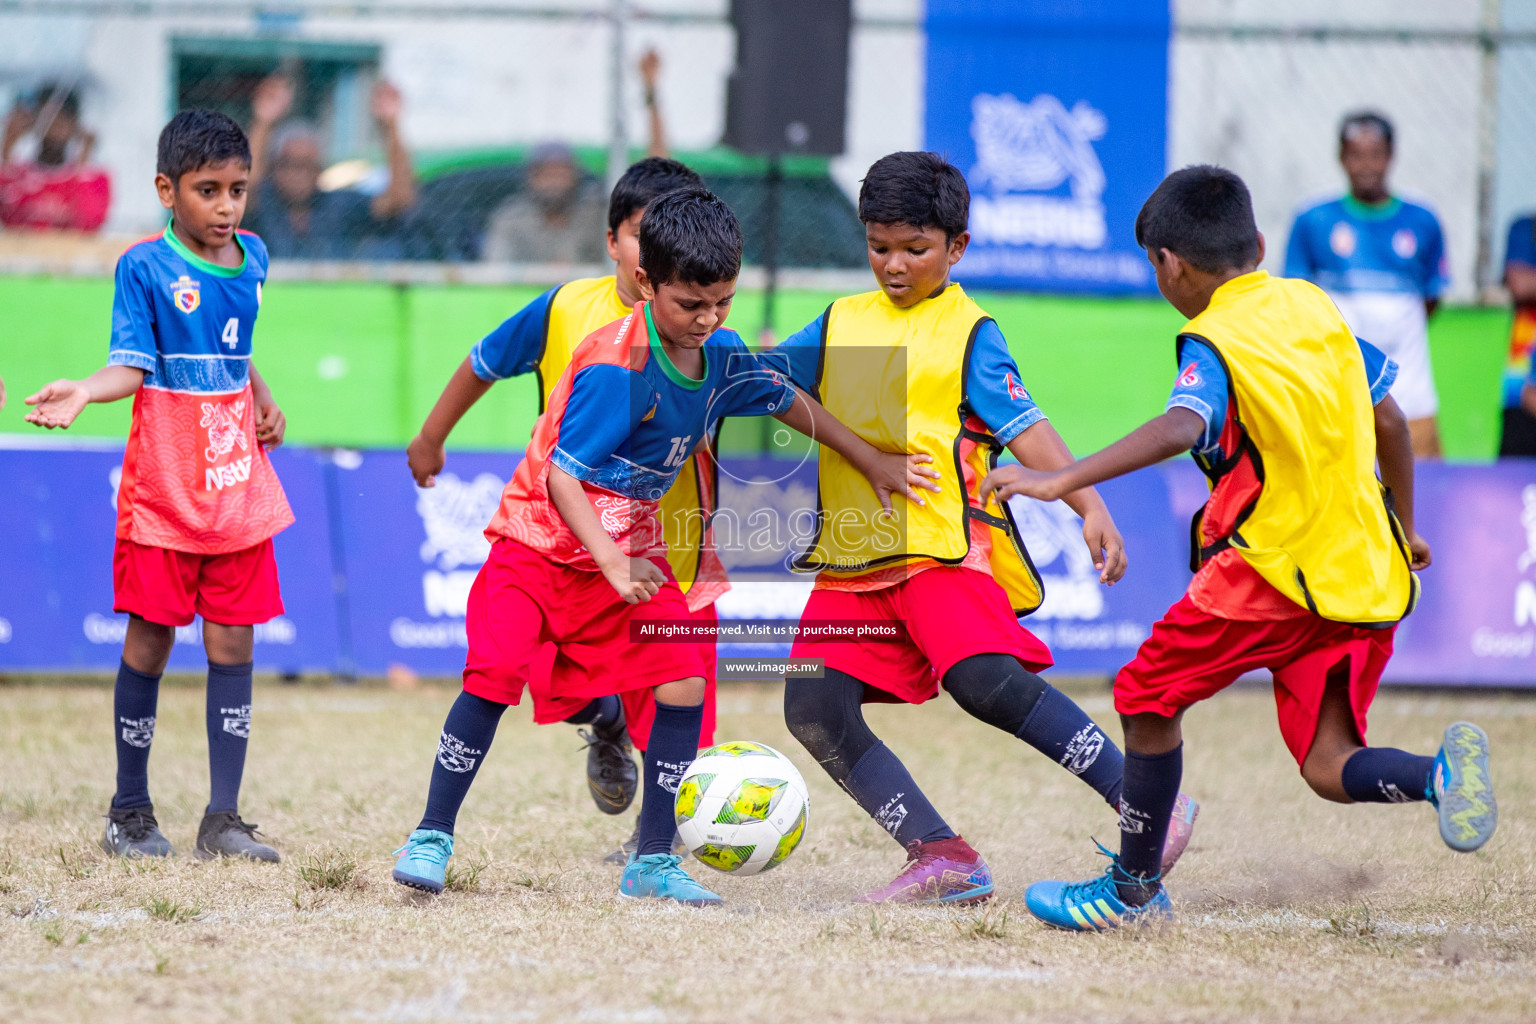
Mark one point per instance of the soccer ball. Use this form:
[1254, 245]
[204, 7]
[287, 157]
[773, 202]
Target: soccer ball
[741, 808]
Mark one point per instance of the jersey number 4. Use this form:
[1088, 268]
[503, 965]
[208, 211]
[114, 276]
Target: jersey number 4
[679, 453]
[231, 335]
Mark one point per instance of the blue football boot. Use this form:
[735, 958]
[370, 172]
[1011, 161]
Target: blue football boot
[1095, 905]
[658, 876]
[425, 860]
[1462, 789]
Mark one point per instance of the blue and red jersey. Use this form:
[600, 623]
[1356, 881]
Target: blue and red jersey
[624, 420]
[194, 477]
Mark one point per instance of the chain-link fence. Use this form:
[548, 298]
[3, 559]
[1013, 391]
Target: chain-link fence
[438, 131]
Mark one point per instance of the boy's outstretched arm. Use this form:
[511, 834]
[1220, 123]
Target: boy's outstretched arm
[636, 579]
[58, 404]
[887, 472]
[1039, 447]
[1177, 430]
[271, 424]
[1394, 454]
[425, 454]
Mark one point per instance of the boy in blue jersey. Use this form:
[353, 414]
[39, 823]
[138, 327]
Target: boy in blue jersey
[1519, 434]
[539, 339]
[198, 503]
[578, 553]
[1382, 261]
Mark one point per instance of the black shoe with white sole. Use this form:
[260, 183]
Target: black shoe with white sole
[223, 834]
[134, 832]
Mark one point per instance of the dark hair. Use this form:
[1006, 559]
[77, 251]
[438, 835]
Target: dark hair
[199, 138]
[642, 182]
[920, 189]
[1205, 214]
[1368, 120]
[689, 235]
[65, 96]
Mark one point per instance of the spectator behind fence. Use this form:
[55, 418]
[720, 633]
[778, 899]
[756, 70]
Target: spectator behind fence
[556, 217]
[1382, 260]
[1519, 434]
[289, 210]
[44, 180]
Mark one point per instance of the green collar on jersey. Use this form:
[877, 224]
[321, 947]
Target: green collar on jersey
[200, 263]
[675, 375]
[1372, 211]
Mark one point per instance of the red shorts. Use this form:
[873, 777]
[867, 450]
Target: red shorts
[639, 705]
[1191, 655]
[950, 614]
[168, 587]
[521, 600]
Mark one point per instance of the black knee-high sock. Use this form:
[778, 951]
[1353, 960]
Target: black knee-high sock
[602, 713]
[1383, 775]
[998, 690]
[673, 746]
[1151, 788]
[133, 714]
[467, 735]
[885, 789]
[229, 729]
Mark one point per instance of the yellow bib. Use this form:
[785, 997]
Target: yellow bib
[896, 377]
[1320, 530]
[576, 310]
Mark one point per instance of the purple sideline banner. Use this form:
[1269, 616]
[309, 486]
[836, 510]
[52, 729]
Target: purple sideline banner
[376, 571]
[58, 521]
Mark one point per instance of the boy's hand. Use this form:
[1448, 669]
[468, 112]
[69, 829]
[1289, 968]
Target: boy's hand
[58, 404]
[1418, 549]
[425, 460]
[1105, 545]
[1006, 481]
[892, 473]
[271, 424]
[636, 579]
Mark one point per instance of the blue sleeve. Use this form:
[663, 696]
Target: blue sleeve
[606, 404]
[513, 348]
[752, 386]
[1202, 389]
[1521, 247]
[1379, 370]
[994, 389]
[798, 356]
[133, 320]
[1298, 257]
[1434, 271]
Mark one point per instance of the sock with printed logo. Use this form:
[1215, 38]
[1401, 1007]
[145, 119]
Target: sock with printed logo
[467, 735]
[133, 716]
[881, 785]
[1384, 775]
[229, 730]
[601, 713]
[673, 746]
[1146, 806]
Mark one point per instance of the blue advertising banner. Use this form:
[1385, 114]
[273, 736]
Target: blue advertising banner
[59, 519]
[1057, 112]
[409, 555]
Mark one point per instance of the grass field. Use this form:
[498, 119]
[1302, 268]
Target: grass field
[1291, 909]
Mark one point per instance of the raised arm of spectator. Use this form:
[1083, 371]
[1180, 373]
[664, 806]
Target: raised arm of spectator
[650, 70]
[270, 103]
[401, 193]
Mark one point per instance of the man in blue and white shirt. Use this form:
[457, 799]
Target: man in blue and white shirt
[1382, 260]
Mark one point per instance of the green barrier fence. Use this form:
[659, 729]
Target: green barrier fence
[361, 363]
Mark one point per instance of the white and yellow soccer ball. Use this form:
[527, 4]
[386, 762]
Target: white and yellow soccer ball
[741, 807]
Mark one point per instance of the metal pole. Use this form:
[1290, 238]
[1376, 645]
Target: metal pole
[618, 141]
[766, 338]
[1484, 277]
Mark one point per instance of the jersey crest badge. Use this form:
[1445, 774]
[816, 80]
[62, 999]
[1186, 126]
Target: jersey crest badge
[186, 294]
[1016, 390]
[1405, 243]
[1342, 240]
[1190, 378]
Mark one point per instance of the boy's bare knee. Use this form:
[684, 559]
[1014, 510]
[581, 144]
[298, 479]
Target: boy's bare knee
[1151, 733]
[147, 646]
[682, 692]
[228, 645]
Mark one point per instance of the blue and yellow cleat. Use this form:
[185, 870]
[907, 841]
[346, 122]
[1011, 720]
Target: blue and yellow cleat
[658, 876]
[424, 863]
[1094, 905]
[1462, 789]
